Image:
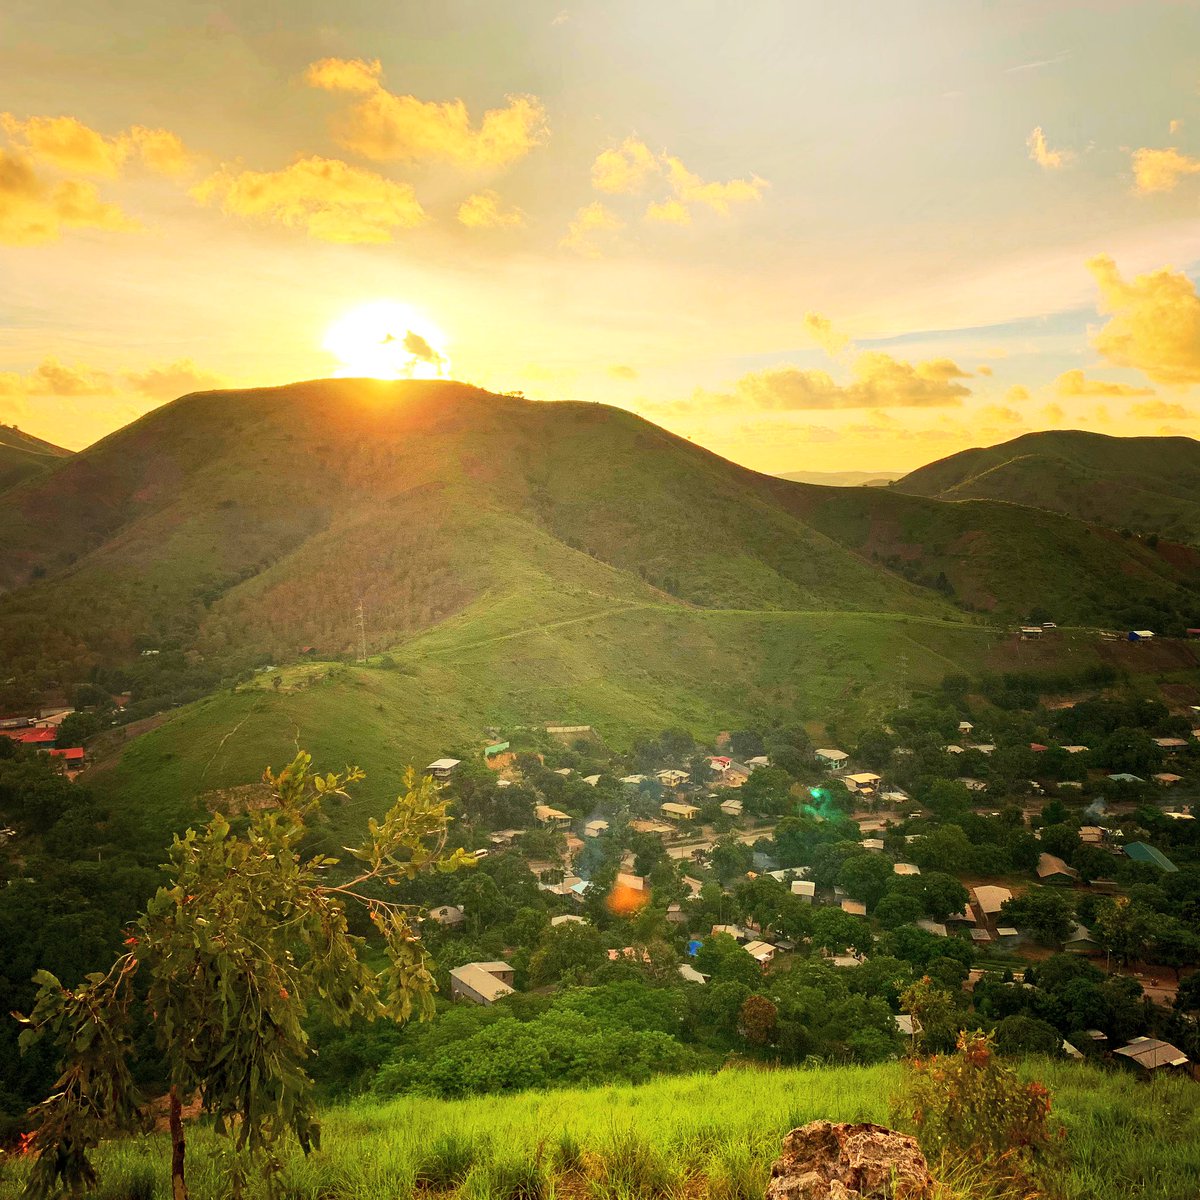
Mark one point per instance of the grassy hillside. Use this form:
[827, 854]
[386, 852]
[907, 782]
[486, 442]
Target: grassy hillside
[24, 457]
[700, 1136]
[1147, 484]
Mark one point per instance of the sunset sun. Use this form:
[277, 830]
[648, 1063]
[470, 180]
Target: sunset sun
[387, 340]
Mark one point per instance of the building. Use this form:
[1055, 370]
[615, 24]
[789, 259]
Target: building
[1144, 853]
[634, 883]
[831, 759]
[965, 727]
[71, 757]
[856, 908]
[719, 763]
[690, 974]
[990, 898]
[1092, 835]
[1170, 743]
[1166, 779]
[552, 816]
[731, 807]
[1080, 941]
[1139, 635]
[595, 828]
[805, 889]
[934, 927]
[1052, 869]
[1076, 749]
[442, 768]
[1029, 632]
[449, 916]
[875, 845]
[905, 1025]
[1125, 777]
[904, 868]
[482, 982]
[761, 952]
[759, 760]
[863, 783]
[1150, 1055]
[566, 919]
[679, 812]
[672, 778]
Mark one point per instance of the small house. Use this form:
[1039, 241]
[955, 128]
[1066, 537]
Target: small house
[1052, 869]
[1139, 635]
[1152, 1056]
[551, 816]
[761, 952]
[1030, 632]
[875, 845]
[759, 760]
[1167, 779]
[679, 812]
[481, 983]
[965, 727]
[864, 782]
[831, 759]
[1170, 743]
[990, 898]
[934, 927]
[1144, 853]
[905, 868]
[448, 916]
[442, 768]
[595, 828]
[566, 919]
[690, 974]
[856, 908]
[1080, 940]
[805, 889]
[732, 807]
[672, 778]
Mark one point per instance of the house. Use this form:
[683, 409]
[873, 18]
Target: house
[442, 768]
[862, 784]
[719, 763]
[734, 931]
[1166, 779]
[551, 816]
[895, 796]
[640, 825]
[1029, 632]
[1193, 633]
[1139, 635]
[737, 773]
[1076, 749]
[981, 747]
[633, 780]
[856, 908]
[1092, 835]
[934, 927]
[906, 1026]
[990, 898]
[671, 778]
[1080, 940]
[761, 952]
[805, 889]
[634, 883]
[1071, 1052]
[965, 727]
[676, 915]
[71, 757]
[966, 917]
[591, 780]
[448, 916]
[831, 759]
[875, 845]
[759, 760]
[566, 919]
[679, 812]
[40, 739]
[732, 807]
[953, 749]
[1126, 777]
[1052, 869]
[973, 785]
[980, 937]
[1007, 935]
[595, 828]
[505, 837]
[1038, 747]
[564, 771]
[1143, 853]
[1151, 1055]
[1170, 743]
[482, 982]
[904, 868]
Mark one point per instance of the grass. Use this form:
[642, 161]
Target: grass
[695, 1136]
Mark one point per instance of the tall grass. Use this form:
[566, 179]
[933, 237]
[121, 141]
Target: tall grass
[690, 1136]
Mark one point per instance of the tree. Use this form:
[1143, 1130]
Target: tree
[935, 1015]
[247, 938]
[1122, 927]
[866, 877]
[731, 858]
[569, 949]
[1048, 915]
[1020, 1034]
[757, 1020]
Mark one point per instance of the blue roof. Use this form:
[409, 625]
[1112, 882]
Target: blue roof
[1141, 852]
[694, 948]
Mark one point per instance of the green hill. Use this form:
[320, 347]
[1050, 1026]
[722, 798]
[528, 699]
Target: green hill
[23, 456]
[1145, 484]
[703, 1136]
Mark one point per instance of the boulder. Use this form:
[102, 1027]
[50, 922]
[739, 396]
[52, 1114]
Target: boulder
[832, 1160]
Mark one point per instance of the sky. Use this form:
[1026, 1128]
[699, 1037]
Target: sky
[809, 236]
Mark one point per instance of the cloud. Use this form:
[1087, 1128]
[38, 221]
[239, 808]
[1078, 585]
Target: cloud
[620, 371]
[484, 210]
[34, 211]
[1155, 325]
[70, 145]
[384, 126]
[1017, 394]
[1001, 415]
[1159, 410]
[1161, 170]
[669, 212]
[420, 349]
[52, 378]
[174, 379]
[1073, 383]
[820, 330]
[625, 169]
[1175, 126]
[983, 369]
[877, 381]
[1041, 153]
[1054, 414]
[629, 168]
[589, 220]
[327, 198]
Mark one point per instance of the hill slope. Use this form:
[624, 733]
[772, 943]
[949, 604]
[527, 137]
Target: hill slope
[23, 456]
[1147, 484]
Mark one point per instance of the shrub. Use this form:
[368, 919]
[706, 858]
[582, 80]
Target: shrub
[971, 1106]
[447, 1162]
[512, 1177]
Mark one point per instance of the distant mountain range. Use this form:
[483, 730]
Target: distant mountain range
[843, 478]
[23, 456]
[1147, 485]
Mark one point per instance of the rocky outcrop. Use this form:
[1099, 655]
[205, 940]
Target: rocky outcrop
[828, 1160]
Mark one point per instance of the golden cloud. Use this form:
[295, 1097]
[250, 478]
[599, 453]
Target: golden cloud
[1041, 153]
[52, 378]
[983, 369]
[1161, 170]
[877, 381]
[34, 211]
[1155, 322]
[1001, 415]
[70, 145]
[1054, 413]
[384, 126]
[626, 169]
[669, 212]
[485, 210]
[327, 198]
[588, 221]
[1017, 394]
[1159, 410]
[1074, 383]
[620, 371]
[691, 189]
[175, 379]
[820, 330]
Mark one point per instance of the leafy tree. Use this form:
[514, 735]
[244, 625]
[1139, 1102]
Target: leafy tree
[245, 939]
[1020, 1034]
[757, 1020]
[1045, 913]
[731, 858]
[935, 1015]
[1060, 840]
[836, 931]
[569, 950]
[1122, 927]
[866, 877]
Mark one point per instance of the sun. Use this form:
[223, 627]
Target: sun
[387, 340]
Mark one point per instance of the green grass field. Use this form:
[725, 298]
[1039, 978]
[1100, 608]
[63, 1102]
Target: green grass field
[693, 1136]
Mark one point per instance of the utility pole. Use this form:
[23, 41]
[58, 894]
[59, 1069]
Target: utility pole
[362, 635]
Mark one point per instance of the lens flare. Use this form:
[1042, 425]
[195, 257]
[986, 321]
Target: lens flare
[387, 340]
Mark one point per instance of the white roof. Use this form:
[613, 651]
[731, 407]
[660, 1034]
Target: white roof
[804, 887]
[567, 919]
[834, 755]
[990, 898]
[865, 777]
[479, 979]
[443, 764]
[762, 951]
[691, 974]
[906, 869]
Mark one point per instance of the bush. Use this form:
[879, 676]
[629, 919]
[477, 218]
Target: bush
[447, 1162]
[970, 1106]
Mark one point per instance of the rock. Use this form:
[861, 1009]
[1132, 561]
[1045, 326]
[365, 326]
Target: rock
[828, 1160]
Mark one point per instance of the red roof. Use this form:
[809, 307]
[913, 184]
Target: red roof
[39, 737]
[1037, 746]
[71, 754]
